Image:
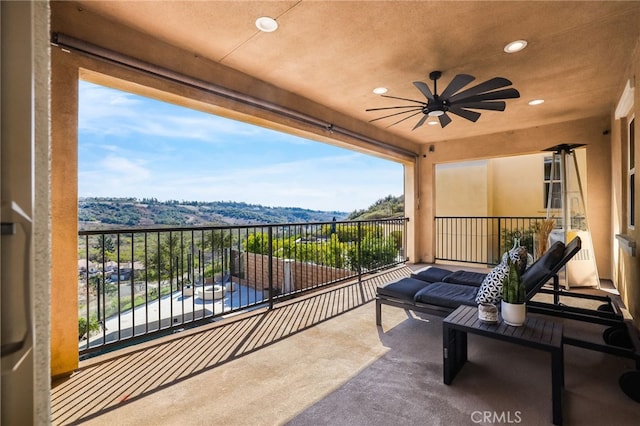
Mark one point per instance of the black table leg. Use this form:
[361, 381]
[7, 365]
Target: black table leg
[454, 355]
[557, 384]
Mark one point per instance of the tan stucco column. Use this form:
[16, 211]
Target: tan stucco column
[425, 211]
[64, 215]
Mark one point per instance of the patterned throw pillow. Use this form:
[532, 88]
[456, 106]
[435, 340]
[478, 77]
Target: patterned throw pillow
[490, 290]
[520, 256]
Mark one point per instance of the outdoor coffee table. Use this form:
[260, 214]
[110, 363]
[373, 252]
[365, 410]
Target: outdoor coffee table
[536, 333]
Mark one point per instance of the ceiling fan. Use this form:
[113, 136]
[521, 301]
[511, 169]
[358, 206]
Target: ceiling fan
[482, 96]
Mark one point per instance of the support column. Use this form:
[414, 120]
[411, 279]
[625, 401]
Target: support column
[64, 214]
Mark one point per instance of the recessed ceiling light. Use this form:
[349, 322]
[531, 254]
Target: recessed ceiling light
[432, 123]
[266, 24]
[536, 102]
[380, 90]
[515, 46]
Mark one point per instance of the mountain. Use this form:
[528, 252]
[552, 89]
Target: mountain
[101, 213]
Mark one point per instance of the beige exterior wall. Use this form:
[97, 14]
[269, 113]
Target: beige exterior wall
[508, 186]
[64, 213]
[503, 151]
[462, 189]
[626, 272]
[518, 186]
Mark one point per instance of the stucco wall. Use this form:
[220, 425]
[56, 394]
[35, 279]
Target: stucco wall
[462, 189]
[627, 265]
[591, 132]
[518, 185]
[64, 213]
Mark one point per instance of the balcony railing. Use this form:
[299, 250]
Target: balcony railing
[482, 239]
[137, 283]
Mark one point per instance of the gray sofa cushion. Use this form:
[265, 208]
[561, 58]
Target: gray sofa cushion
[403, 288]
[431, 274]
[447, 294]
[465, 277]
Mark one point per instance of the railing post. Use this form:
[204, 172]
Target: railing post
[499, 239]
[359, 252]
[270, 266]
[100, 282]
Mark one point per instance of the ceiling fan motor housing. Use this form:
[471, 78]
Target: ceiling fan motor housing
[436, 108]
[488, 95]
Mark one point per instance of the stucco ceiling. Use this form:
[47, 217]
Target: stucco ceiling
[335, 53]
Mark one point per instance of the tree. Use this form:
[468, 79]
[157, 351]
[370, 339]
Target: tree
[257, 243]
[373, 253]
[105, 248]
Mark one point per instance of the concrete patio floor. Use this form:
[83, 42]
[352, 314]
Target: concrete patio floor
[321, 360]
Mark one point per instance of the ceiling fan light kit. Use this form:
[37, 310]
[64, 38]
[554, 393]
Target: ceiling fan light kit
[484, 96]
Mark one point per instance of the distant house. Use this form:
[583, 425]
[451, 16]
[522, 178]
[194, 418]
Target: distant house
[124, 274]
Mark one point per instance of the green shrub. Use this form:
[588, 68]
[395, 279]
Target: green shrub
[85, 329]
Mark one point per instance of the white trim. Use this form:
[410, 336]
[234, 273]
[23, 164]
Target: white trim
[626, 100]
[627, 244]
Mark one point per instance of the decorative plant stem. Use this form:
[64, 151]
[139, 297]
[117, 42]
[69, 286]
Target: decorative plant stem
[513, 291]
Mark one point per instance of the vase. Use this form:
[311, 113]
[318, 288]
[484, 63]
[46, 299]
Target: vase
[514, 313]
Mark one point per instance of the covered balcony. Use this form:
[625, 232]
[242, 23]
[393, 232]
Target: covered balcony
[308, 352]
[320, 359]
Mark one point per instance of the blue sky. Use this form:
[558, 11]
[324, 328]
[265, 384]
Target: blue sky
[131, 146]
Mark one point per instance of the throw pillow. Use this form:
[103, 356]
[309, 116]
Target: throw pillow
[490, 290]
[520, 256]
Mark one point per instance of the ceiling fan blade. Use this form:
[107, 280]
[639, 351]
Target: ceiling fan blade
[444, 120]
[396, 113]
[406, 118]
[458, 82]
[494, 83]
[489, 96]
[404, 99]
[494, 106]
[469, 115]
[393, 107]
[422, 86]
[420, 122]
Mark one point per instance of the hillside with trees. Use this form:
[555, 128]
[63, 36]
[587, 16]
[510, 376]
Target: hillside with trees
[110, 213]
[104, 213]
[384, 208]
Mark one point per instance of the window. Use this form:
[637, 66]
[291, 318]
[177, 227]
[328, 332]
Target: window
[552, 181]
[632, 174]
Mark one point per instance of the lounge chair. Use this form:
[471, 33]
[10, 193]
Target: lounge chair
[439, 291]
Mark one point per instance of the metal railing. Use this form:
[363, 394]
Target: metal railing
[482, 240]
[137, 283]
